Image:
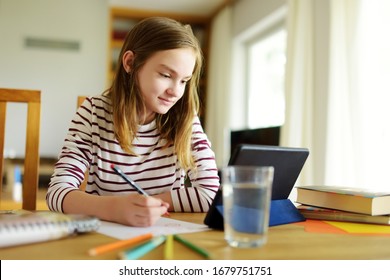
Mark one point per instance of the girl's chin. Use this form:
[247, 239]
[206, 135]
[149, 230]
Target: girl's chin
[163, 110]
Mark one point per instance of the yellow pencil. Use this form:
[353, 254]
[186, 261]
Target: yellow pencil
[168, 249]
[119, 244]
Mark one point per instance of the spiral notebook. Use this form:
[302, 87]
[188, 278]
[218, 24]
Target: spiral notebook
[18, 227]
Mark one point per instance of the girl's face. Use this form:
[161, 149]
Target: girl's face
[163, 78]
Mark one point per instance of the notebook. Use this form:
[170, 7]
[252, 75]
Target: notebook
[18, 227]
[287, 162]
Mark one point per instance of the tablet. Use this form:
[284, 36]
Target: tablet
[287, 162]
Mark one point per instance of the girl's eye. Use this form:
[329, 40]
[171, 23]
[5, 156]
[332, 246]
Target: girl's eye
[185, 82]
[165, 75]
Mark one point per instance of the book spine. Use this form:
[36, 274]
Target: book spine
[351, 203]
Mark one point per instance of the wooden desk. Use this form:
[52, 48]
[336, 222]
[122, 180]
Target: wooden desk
[285, 242]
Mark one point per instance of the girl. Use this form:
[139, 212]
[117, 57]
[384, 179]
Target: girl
[147, 125]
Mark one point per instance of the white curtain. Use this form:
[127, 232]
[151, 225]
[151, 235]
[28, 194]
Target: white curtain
[370, 94]
[358, 148]
[337, 88]
[342, 145]
[218, 87]
[298, 127]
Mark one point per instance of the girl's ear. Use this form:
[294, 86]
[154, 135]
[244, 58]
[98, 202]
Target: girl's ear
[127, 61]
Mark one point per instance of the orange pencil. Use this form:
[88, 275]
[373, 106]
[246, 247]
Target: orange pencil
[119, 244]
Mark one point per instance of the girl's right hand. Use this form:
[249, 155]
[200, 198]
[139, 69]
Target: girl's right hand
[138, 210]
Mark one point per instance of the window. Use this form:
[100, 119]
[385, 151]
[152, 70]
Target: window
[266, 59]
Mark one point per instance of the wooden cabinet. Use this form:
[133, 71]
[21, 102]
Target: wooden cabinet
[122, 20]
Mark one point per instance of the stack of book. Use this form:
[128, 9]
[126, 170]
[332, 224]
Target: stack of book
[344, 204]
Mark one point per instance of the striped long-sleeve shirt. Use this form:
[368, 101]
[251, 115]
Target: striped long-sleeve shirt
[91, 144]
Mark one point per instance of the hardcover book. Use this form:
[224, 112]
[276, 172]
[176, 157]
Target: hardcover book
[358, 200]
[318, 213]
[18, 227]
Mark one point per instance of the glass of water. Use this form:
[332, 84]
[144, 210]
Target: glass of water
[246, 204]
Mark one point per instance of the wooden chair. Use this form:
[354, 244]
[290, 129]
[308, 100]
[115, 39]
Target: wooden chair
[31, 162]
[80, 100]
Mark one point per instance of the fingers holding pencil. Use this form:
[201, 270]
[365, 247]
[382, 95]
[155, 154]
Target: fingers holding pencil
[152, 206]
[133, 184]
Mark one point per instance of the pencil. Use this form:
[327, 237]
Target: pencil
[168, 249]
[143, 249]
[128, 180]
[119, 244]
[131, 183]
[192, 246]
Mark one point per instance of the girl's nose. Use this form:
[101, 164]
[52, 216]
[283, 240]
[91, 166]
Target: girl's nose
[175, 89]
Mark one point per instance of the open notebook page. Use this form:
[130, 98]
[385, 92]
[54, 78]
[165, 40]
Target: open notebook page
[164, 226]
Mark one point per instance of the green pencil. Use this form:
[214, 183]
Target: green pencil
[193, 247]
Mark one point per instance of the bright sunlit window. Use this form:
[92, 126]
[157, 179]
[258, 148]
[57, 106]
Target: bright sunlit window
[266, 71]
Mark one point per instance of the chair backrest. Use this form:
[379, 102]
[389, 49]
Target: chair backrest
[80, 100]
[31, 161]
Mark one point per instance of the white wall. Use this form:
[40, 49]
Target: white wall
[61, 75]
[247, 13]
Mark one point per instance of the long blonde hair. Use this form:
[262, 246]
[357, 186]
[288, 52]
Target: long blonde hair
[144, 39]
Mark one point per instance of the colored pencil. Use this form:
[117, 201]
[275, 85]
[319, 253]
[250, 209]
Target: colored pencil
[192, 246]
[128, 180]
[131, 183]
[143, 249]
[168, 249]
[119, 244]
